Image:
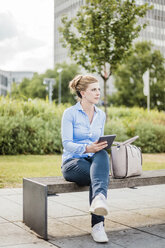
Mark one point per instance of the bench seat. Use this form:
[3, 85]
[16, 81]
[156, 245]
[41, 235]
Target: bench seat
[37, 189]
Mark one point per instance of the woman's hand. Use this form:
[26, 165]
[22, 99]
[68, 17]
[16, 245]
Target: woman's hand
[95, 146]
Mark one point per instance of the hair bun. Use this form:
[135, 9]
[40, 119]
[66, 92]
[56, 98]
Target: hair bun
[73, 84]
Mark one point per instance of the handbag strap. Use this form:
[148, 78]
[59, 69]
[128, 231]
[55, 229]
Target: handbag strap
[129, 141]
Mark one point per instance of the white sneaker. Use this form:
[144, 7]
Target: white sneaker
[98, 233]
[99, 205]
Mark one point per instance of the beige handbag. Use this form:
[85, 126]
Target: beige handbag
[126, 159]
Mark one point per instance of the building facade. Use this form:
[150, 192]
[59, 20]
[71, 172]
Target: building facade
[9, 77]
[4, 85]
[155, 30]
[63, 7]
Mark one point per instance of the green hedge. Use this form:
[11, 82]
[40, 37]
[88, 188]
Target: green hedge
[129, 122]
[30, 127]
[33, 127]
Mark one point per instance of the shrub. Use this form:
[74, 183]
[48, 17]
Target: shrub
[34, 127]
[151, 137]
[116, 127]
[129, 122]
[30, 127]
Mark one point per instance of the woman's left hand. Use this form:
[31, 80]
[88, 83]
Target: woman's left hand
[96, 147]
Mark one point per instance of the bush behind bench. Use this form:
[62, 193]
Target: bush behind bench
[33, 127]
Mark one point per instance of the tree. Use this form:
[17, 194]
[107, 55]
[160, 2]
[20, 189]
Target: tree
[35, 88]
[15, 93]
[67, 74]
[100, 35]
[29, 88]
[129, 82]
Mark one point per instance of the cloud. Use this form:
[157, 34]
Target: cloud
[39, 60]
[8, 50]
[26, 34]
[7, 26]
[17, 46]
[26, 43]
[14, 41]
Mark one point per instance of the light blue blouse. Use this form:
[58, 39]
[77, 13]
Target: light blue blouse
[77, 132]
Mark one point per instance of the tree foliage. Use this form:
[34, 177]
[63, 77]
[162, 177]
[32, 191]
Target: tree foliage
[129, 82]
[35, 88]
[100, 35]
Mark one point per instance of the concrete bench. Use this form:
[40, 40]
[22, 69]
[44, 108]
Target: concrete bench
[36, 191]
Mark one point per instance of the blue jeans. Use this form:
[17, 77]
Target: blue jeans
[92, 171]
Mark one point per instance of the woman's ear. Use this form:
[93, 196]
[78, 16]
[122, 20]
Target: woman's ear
[82, 93]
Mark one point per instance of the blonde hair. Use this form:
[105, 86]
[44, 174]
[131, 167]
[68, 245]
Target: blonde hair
[80, 83]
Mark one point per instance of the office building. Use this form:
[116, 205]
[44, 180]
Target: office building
[155, 30]
[4, 85]
[61, 7]
[9, 77]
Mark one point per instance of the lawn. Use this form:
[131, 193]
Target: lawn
[14, 168]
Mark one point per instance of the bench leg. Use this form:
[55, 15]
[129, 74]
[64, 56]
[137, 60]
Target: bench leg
[35, 207]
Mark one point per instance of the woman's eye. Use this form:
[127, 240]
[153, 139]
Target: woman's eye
[95, 89]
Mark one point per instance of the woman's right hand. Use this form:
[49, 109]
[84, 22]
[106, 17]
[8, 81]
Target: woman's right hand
[96, 147]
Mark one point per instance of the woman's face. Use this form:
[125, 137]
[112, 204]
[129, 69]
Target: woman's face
[92, 93]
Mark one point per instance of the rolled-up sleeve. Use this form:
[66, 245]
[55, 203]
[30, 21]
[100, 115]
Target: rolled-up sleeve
[67, 134]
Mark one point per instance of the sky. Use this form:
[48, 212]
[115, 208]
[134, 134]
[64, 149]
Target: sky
[26, 35]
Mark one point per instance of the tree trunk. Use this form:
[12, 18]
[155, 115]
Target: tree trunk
[105, 97]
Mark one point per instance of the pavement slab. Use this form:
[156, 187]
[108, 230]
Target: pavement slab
[2, 220]
[156, 213]
[6, 191]
[157, 230]
[16, 198]
[132, 238]
[84, 241]
[42, 244]
[18, 190]
[136, 220]
[11, 234]
[133, 219]
[84, 223]
[75, 202]
[128, 238]
[10, 210]
[61, 210]
[57, 228]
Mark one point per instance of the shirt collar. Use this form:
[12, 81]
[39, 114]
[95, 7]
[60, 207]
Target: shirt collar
[79, 107]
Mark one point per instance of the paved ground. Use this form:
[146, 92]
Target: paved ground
[136, 220]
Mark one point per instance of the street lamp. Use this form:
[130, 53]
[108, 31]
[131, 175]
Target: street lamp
[146, 89]
[59, 70]
[49, 82]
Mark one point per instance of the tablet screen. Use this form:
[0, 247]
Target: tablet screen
[108, 138]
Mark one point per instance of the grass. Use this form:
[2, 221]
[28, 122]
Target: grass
[14, 168]
[154, 161]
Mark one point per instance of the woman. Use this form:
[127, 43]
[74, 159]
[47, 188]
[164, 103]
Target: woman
[84, 159]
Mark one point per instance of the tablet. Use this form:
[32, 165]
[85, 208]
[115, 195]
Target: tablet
[109, 139]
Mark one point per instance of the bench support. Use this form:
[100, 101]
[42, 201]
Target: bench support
[35, 207]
